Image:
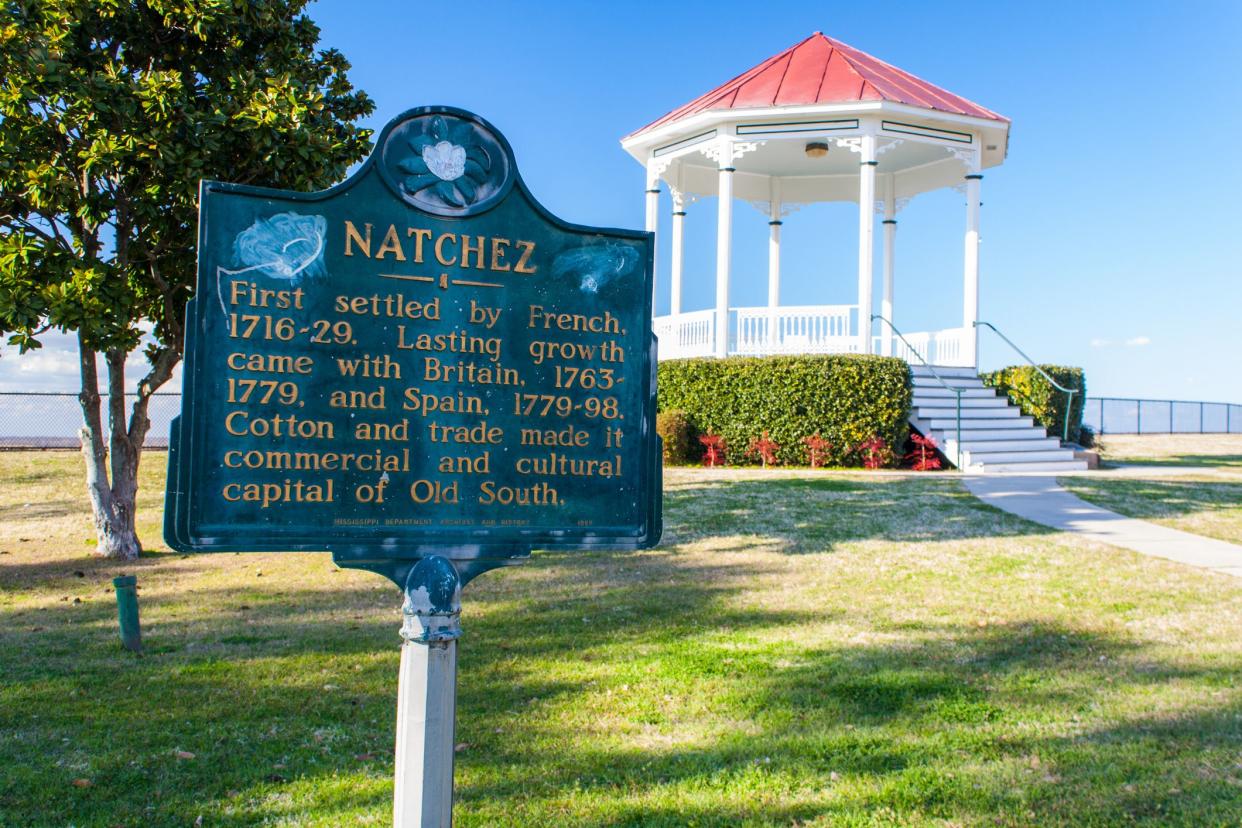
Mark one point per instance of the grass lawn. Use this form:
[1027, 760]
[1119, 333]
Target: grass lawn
[804, 649]
[1220, 451]
[1208, 505]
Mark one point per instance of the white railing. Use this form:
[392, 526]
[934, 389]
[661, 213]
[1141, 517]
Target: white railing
[951, 347]
[686, 334]
[809, 329]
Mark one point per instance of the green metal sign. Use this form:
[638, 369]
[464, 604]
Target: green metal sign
[419, 361]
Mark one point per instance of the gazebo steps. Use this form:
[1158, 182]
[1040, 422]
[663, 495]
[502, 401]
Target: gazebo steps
[936, 392]
[995, 436]
[993, 458]
[948, 422]
[945, 371]
[999, 412]
[1029, 468]
[1020, 442]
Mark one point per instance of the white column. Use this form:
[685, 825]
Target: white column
[426, 717]
[724, 247]
[866, 239]
[679, 217]
[774, 260]
[970, 292]
[890, 244]
[427, 696]
[652, 220]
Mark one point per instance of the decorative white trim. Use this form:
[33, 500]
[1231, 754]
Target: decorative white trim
[852, 144]
[656, 168]
[736, 149]
[969, 157]
[638, 144]
[788, 208]
[681, 198]
[889, 144]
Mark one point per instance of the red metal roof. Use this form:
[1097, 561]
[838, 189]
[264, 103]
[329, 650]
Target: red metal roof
[821, 70]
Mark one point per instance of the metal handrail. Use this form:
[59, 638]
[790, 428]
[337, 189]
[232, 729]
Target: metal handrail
[1069, 392]
[956, 391]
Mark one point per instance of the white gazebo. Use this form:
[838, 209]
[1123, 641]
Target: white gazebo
[821, 121]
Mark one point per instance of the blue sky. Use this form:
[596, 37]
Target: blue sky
[1110, 237]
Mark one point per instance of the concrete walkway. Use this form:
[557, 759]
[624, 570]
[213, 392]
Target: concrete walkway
[1041, 500]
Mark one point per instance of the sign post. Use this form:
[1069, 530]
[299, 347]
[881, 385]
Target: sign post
[427, 696]
[425, 373]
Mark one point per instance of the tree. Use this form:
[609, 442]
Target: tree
[112, 111]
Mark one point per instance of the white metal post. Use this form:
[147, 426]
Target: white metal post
[866, 239]
[427, 697]
[724, 247]
[679, 217]
[890, 245]
[970, 293]
[774, 260]
[653, 220]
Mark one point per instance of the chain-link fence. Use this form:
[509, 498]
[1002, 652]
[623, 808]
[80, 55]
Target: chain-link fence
[1117, 415]
[51, 419]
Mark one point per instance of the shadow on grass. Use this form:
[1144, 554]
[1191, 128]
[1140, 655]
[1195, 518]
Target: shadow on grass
[61, 572]
[814, 515]
[282, 708]
[285, 697]
[1159, 498]
[1231, 461]
[920, 732]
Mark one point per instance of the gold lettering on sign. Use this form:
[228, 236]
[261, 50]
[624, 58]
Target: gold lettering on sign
[450, 249]
[288, 491]
[527, 249]
[499, 246]
[352, 237]
[420, 234]
[477, 249]
[392, 244]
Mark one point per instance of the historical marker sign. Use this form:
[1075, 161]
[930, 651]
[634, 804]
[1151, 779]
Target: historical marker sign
[419, 361]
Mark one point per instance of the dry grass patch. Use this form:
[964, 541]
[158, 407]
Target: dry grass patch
[1204, 504]
[807, 648]
[1221, 451]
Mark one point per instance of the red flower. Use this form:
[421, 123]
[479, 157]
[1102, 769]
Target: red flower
[923, 457]
[765, 448]
[715, 454]
[816, 447]
[876, 453]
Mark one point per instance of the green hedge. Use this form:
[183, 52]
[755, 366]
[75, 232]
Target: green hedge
[846, 398]
[677, 432]
[1027, 389]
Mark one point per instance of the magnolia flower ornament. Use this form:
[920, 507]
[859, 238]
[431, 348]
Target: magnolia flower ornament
[446, 161]
[450, 166]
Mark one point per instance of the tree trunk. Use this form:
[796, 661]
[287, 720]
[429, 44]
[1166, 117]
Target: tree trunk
[112, 502]
[112, 465]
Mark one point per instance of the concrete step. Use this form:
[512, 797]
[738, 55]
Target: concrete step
[952, 382]
[936, 392]
[990, 459]
[1068, 465]
[970, 435]
[1001, 412]
[1019, 441]
[950, 401]
[974, 426]
[944, 371]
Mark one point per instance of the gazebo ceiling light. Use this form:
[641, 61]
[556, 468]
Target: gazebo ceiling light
[816, 149]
